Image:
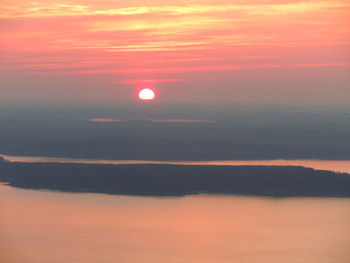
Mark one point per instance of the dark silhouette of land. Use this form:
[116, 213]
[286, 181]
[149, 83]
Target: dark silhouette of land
[176, 180]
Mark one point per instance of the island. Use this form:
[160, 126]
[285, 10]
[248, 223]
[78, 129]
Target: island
[176, 180]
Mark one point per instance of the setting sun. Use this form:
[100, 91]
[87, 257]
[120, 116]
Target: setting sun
[146, 94]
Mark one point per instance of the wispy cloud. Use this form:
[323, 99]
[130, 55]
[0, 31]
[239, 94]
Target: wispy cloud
[45, 9]
[159, 71]
[163, 39]
[183, 121]
[108, 120]
[104, 120]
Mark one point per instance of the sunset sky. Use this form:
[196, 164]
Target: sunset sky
[197, 51]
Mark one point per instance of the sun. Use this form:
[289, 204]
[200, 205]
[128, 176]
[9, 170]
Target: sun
[146, 94]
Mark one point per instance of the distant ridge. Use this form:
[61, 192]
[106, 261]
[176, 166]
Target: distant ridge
[176, 180]
[142, 148]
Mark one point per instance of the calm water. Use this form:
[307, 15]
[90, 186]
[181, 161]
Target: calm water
[331, 165]
[53, 227]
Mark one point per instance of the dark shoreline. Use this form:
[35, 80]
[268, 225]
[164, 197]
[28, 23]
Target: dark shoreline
[176, 180]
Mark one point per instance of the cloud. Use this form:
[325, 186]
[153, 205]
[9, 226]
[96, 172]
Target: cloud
[182, 121]
[158, 71]
[161, 40]
[104, 120]
[107, 120]
[42, 9]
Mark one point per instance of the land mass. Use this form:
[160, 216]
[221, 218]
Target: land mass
[176, 180]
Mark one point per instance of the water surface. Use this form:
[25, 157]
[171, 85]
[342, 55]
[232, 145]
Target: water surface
[41, 227]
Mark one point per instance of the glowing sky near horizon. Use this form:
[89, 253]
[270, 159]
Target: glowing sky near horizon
[222, 50]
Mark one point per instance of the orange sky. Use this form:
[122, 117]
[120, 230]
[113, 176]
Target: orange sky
[207, 50]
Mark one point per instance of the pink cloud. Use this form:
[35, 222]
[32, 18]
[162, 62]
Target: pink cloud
[104, 120]
[183, 121]
[122, 45]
